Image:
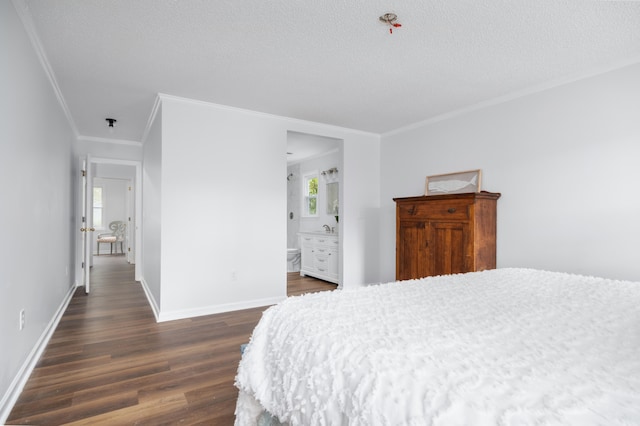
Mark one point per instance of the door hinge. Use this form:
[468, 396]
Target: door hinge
[84, 173]
[83, 219]
[82, 265]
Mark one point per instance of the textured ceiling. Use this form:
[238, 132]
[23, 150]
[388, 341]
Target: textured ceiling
[329, 62]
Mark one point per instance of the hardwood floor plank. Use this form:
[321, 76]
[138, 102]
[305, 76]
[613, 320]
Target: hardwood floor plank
[68, 414]
[68, 384]
[184, 382]
[108, 361]
[153, 413]
[42, 404]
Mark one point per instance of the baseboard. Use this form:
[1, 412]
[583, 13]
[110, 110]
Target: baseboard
[152, 302]
[206, 310]
[11, 396]
[218, 309]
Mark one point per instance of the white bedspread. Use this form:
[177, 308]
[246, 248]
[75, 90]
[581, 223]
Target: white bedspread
[507, 346]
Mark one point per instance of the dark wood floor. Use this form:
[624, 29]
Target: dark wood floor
[109, 362]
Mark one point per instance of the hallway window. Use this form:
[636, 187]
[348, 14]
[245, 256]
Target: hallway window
[98, 207]
[310, 194]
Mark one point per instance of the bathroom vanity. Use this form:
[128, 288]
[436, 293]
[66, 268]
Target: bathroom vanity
[319, 251]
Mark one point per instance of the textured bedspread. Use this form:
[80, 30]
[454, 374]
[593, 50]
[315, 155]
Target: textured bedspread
[508, 346]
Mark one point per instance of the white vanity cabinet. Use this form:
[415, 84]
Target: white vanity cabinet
[319, 256]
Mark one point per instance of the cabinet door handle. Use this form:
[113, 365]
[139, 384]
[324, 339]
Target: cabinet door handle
[452, 210]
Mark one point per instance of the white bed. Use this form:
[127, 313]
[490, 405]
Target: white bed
[506, 346]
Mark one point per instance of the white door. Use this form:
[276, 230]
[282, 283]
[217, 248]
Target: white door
[130, 223]
[87, 222]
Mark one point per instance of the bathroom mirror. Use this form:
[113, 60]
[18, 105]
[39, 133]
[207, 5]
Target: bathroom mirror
[332, 198]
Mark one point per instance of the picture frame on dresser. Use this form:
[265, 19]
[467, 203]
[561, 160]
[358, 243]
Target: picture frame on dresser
[454, 183]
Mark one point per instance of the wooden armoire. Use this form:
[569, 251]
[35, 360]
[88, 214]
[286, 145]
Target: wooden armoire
[445, 234]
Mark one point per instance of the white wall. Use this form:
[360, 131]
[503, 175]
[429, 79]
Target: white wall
[36, 260]
[359, 210]
[565, 160]
[222, 180]
[223, 194]
[151, 213]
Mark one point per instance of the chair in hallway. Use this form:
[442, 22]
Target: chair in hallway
[118, 229]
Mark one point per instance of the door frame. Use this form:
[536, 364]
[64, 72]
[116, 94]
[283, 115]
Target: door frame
[137, 201]
[87, 220]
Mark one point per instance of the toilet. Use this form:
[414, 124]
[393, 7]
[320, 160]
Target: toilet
[293, 259]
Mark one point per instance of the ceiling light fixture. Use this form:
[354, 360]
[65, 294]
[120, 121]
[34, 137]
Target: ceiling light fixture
[111, 122]
[390, 19]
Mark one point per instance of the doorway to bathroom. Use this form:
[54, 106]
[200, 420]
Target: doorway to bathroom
[314, 163]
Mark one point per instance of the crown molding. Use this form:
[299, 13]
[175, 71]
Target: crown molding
[25, 16]
[518, 94]
[152, 117]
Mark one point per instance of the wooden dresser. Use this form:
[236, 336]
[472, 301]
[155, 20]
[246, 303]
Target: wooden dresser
[445, 234]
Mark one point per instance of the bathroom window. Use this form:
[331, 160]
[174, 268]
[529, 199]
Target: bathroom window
[310, 194]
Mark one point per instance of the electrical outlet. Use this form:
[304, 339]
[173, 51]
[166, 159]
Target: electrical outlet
[21, 319]
[234, 276]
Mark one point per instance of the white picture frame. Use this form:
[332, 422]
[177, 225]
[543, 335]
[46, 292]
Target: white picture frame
[454, 183]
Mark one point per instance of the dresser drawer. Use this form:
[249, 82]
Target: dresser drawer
[437, 209]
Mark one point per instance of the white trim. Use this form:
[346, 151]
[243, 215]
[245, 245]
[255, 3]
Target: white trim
[82, 138]
[25, 16]
[152, 302]
[79, 210]
[217, 309]
[138, 207]
[515, 95]
[152, 117]
[104, 160]
[206, 310]
[20, 380]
